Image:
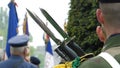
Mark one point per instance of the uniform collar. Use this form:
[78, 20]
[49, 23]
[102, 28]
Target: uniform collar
[112, 41]
[15, 57]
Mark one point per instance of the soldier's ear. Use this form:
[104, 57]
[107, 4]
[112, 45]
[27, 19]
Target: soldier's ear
[100, 33]
[27, 54]
[99, 15]
[27, 51]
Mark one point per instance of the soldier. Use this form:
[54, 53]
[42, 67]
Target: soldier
[34, 60]
[108, 16]
[18, 45]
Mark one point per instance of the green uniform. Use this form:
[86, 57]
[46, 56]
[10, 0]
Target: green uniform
[112, 46]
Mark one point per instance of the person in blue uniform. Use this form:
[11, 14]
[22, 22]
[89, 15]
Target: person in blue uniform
[18, 45]
[34, 60]
[108, 15]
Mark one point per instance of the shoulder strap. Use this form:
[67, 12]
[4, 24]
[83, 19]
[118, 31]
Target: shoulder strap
[111, 60]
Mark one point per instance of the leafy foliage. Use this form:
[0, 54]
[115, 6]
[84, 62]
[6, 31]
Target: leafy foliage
[82, 23]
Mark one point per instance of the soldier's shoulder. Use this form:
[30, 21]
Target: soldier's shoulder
[95, 62]
[30, 65]
[3, 64]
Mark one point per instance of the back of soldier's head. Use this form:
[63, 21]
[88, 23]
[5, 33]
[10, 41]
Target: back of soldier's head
[111, 11]
[18, 43]
[34, 60]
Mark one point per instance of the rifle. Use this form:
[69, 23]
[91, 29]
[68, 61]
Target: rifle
[68, 40]
[67, 47]
[64, 51]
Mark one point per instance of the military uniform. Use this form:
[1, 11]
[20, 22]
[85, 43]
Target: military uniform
[112, 46]
[17, 61]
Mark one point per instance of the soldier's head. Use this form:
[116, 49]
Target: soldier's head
[34, 60]
[19, 45]
[108, 16]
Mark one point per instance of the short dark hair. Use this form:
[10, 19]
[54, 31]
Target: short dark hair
[109, 1]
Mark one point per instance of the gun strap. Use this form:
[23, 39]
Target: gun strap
[110, 59]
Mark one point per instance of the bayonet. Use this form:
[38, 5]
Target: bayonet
[68, 41]
[69, 49]
[43, 26]
[63, 50]
[52, 21]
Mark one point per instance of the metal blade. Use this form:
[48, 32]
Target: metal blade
[68, 47]
[68, 41]
[52, 21]
[43, 26]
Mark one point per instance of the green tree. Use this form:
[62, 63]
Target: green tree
[82, 23]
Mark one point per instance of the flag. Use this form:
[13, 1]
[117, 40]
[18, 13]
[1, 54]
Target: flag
[25, 25]
[12, 25]
[49, 60]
